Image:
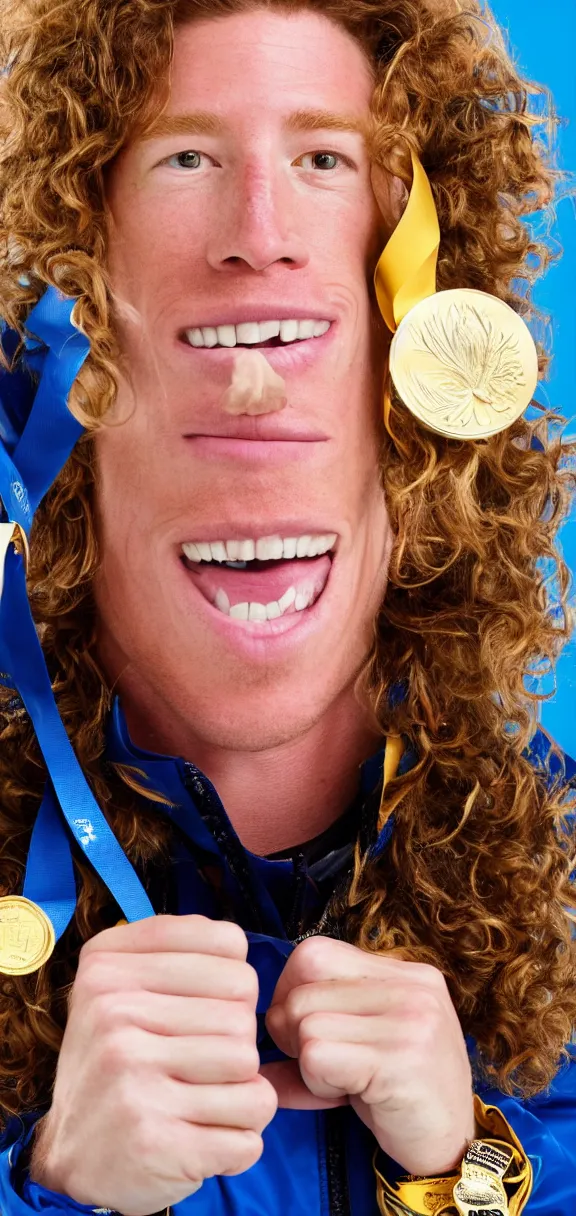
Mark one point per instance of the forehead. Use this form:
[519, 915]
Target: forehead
[246, 61]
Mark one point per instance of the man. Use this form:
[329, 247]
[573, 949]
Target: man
[358, 987]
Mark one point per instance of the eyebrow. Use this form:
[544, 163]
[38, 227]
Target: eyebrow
[204, 122]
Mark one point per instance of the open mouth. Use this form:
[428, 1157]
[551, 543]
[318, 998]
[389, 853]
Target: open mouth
[264, 579]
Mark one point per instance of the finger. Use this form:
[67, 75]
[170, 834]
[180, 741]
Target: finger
[171, 1015]
[291, 1090]
[329, 1069]
[205, 1151]
[197, 1060]
[199, 975]
[182, 934]
[368, 1000]
[251, 1105]
[321, 959]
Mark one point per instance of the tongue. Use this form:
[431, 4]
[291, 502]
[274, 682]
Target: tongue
[261, 582]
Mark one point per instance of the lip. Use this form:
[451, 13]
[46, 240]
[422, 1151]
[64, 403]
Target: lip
[227, 530]
[294, 357]
[251, 451]
[262, 640]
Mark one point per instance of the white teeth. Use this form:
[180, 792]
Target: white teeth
[248, 332]
[265, 548]
[287, 599]
[269, 549]
[222, 602]
[218, 550]
[251, 333]
[226, 335]
[256, 612]
[288, 330]
[304, 597]
[266, 612]
[305, 329]
[290, 547]
[302, 546]
[240, 612]
[269, 329]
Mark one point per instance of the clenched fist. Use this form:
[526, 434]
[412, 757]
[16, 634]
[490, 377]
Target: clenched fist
[157, 1085]
[383, 1035]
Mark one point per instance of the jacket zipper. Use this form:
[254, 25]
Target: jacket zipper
[337, 1174]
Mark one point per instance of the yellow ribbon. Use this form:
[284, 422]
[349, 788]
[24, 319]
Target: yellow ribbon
[406, 270]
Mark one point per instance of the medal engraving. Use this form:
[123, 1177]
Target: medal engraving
[464, 363]
[27, 936]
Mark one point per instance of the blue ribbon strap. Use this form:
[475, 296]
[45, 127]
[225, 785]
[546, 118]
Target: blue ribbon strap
[48, 436]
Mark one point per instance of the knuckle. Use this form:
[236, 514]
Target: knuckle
[104, 1012]
[243, 1020]
[311, 1027]
[250, 1148]
[245, 1061]
[296, 1004]
[312, 958]
[314, 1056]
[234, 937]
[116, 1051]
[93, 975]
[244, 984]
[264, 1102]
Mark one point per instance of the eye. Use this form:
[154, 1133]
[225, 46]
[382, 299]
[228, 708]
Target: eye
[185, 160]
[327, 160]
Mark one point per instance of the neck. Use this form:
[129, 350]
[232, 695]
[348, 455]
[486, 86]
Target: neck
[281, 796]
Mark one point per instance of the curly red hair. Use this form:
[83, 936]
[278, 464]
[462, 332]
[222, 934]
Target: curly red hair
[477, 878]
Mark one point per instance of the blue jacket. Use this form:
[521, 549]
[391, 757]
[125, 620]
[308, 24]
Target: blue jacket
[315, 1163]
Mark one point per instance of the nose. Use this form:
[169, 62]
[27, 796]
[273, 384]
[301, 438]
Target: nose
[255, 224]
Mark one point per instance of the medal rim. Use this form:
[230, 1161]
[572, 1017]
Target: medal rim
[413, 406]
[43, 920]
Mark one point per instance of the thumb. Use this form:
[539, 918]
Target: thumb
[286, 1078]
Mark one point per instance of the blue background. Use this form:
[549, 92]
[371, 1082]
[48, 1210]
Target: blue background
[542, 39]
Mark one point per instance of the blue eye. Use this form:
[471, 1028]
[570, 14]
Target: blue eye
[186, 160]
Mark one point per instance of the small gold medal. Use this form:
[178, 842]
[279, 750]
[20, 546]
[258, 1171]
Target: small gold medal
[464, 363]
[27, 937]
[480, 1188]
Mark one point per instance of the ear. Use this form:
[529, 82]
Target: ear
[391, 195]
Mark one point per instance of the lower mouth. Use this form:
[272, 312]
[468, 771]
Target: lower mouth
[261, 592]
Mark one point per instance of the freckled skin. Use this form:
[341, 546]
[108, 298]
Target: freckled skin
[257, 221]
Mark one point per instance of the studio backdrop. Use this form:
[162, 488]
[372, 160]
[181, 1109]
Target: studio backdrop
[542, 39]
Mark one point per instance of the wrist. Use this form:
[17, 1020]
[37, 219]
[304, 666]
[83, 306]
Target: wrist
[40, 1160]
[494, 1163]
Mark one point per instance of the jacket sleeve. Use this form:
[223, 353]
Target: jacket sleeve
[546, 1128]
[18, 1195]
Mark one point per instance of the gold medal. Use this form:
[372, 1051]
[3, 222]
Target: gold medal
[481, 1188]
[27, 937]
[464, 363]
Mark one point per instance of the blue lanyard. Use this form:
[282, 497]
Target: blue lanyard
[45, 444]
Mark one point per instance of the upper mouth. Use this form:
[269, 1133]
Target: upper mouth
[274, 332]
